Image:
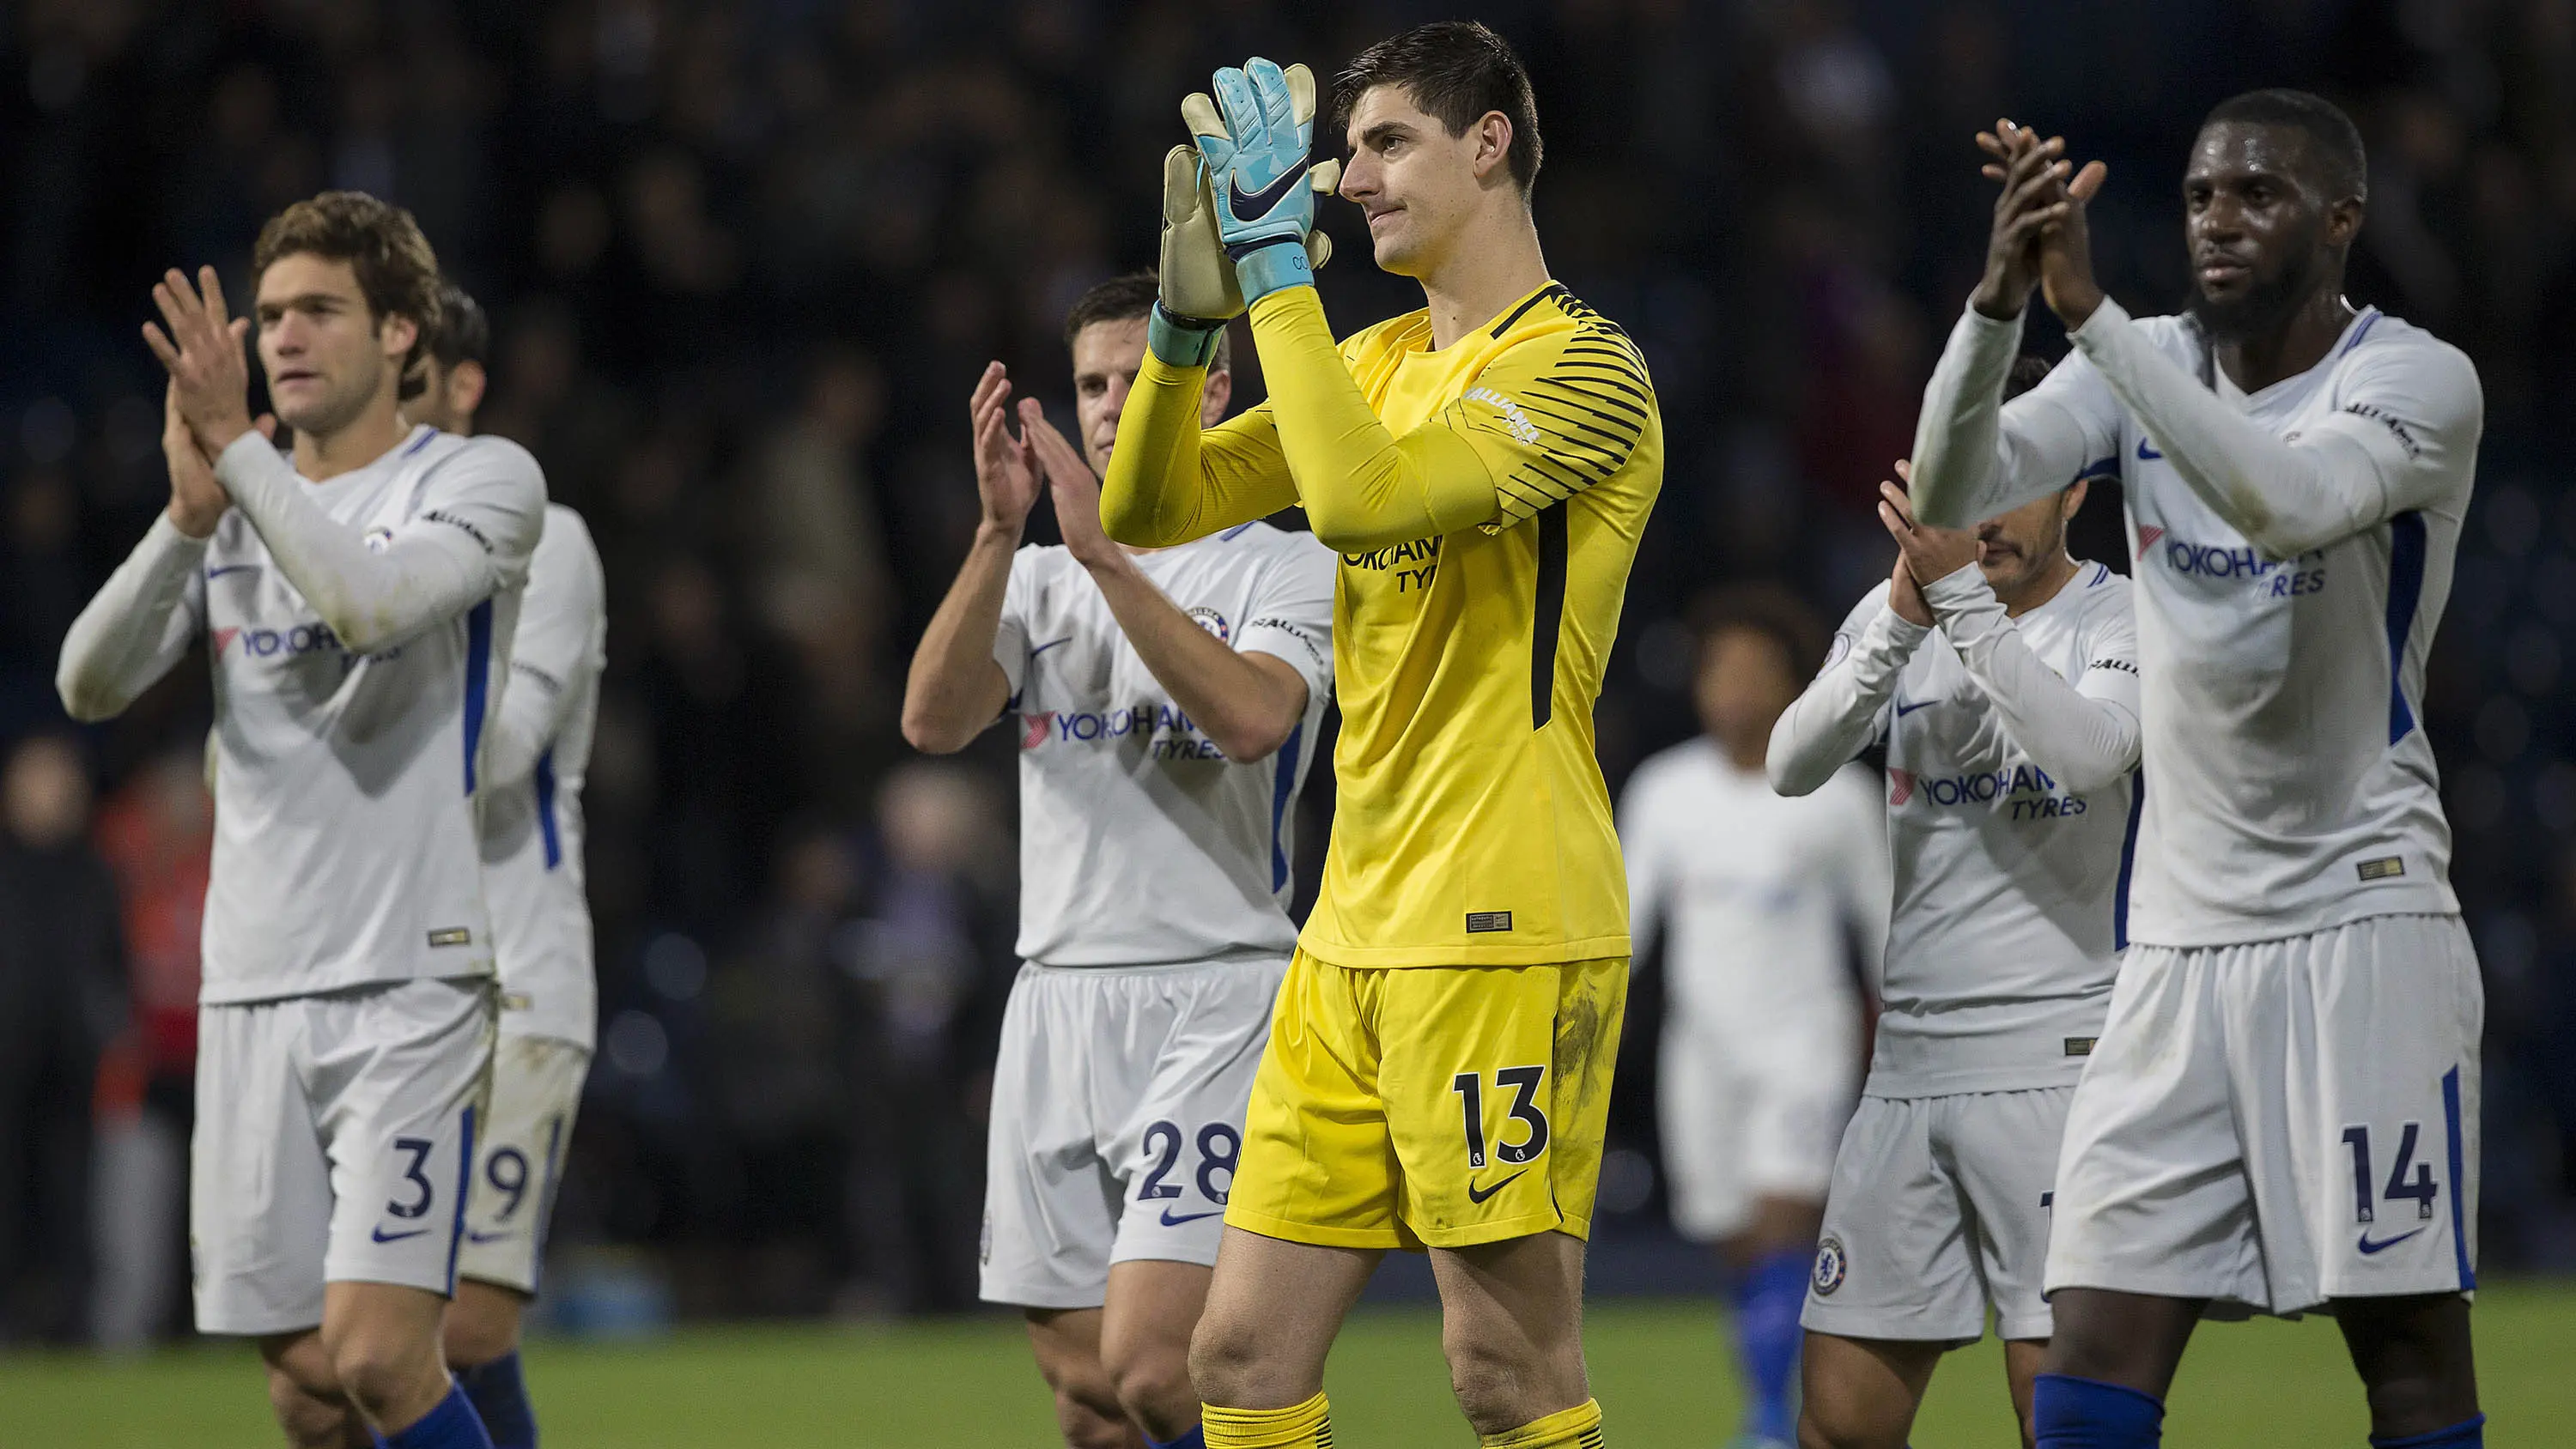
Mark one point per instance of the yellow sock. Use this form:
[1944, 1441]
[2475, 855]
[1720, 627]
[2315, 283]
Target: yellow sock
[1575, 1428]
[1306, 1426]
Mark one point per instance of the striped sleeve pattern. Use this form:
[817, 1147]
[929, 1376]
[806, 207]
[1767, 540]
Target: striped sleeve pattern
[1573, 405]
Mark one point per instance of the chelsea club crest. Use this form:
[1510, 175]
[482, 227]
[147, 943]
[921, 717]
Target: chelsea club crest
[1831, 1264]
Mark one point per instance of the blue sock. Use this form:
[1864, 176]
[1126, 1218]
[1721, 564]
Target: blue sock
[452, 1425]
[500, 1395]
[2073, 1413]
[1195, 1439]
[2469, 1433]
[1767, 1300]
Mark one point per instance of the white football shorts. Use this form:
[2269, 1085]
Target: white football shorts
[1118, 1106]
[334, 1140]
[2273, 1125]
[1754, 1109]
[1939, 1210]
[536, 1093]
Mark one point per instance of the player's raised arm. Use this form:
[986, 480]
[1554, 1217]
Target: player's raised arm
[1844, 708]
[2407, 419]
[470, 537]
[1247, 701]
[562, 629]
[959, 681]
[2083, 731]
[1975, 456]
[139, 623]
[1171, 479]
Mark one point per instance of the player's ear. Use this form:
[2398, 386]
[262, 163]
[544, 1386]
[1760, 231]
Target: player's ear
[2073, 499]
[399, 334]
[1493, 146]
[465, 384]
[2343, 221]
[1215, 397]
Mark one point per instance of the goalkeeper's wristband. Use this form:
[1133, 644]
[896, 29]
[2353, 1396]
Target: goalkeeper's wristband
[1264, 267]
[1181, 341]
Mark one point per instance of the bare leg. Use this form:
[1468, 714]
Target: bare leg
[482, 1323]
[1862, 1393]
[383, 1344]
[305, 1394]
[2134, 1340]
[1067, 1344]
[2415, 1359]
[2022, 1360]
[1511, 1323]
[1273, 1309]
[1145, 1342]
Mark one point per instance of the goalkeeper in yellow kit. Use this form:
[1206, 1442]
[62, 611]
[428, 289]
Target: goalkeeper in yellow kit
[1439, 1064]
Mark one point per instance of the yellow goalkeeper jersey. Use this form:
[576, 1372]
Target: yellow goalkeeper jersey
[1486, 500]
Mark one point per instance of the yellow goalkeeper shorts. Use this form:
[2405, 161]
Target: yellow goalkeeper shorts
[1430, 1105]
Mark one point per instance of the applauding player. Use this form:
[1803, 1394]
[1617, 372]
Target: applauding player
[534, 757]
[2282, 1113]
[1439, 1066]
[2000, 673]
[358, 601]
[1167, 704]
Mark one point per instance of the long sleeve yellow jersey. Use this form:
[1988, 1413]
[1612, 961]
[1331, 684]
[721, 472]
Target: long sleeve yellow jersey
[1486, 500]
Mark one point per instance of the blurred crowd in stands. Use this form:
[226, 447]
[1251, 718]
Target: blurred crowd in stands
[745, 261]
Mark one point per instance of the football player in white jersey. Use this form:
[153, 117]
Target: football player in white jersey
[1762, 900]
[2000, 674]
[534, 757]
[1166, 704]
[2282, 1114]
[358, 598]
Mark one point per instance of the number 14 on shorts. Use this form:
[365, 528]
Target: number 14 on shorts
[2408, 1178]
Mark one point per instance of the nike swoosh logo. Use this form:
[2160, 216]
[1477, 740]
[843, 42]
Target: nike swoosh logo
[1170, 1221]
[2145, 453]
[1267, 197]
[232, 569]
[1477, 1196]
[2368, 1247]
[1050, 644]
[385, 1237]
[1903, 710]
[472, 1236]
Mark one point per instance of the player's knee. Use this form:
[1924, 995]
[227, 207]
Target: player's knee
[1830, 1424]
[478, 1331]
[1225, 1360]
[1154, 1390]
[306, 1400]
[378, 1370]
[1498, 1388]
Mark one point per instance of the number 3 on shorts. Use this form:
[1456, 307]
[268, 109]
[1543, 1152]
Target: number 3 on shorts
[418, 1206]
[1524, 1082]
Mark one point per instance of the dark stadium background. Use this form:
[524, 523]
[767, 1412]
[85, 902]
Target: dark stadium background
[744, 263]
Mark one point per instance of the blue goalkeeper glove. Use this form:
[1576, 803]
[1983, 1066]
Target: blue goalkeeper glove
[1254, 137]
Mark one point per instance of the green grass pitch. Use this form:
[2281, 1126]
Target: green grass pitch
[1657, 1367]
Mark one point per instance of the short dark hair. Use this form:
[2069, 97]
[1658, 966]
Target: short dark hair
[396, 269]
[464, 333]
[1770, 610]
[1457, 71]
[2332, 137]
[2028, 371]
[1124, 299]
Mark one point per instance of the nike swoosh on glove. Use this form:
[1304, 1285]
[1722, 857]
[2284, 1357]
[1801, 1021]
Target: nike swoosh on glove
[1255, 136]
[1198, 290]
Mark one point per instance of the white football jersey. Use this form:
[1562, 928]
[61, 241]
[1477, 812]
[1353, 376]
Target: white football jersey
[2291, 788]
[346, 844]
[2011, 887]
[1766, 897]
[1140, 842]
[532, 824]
